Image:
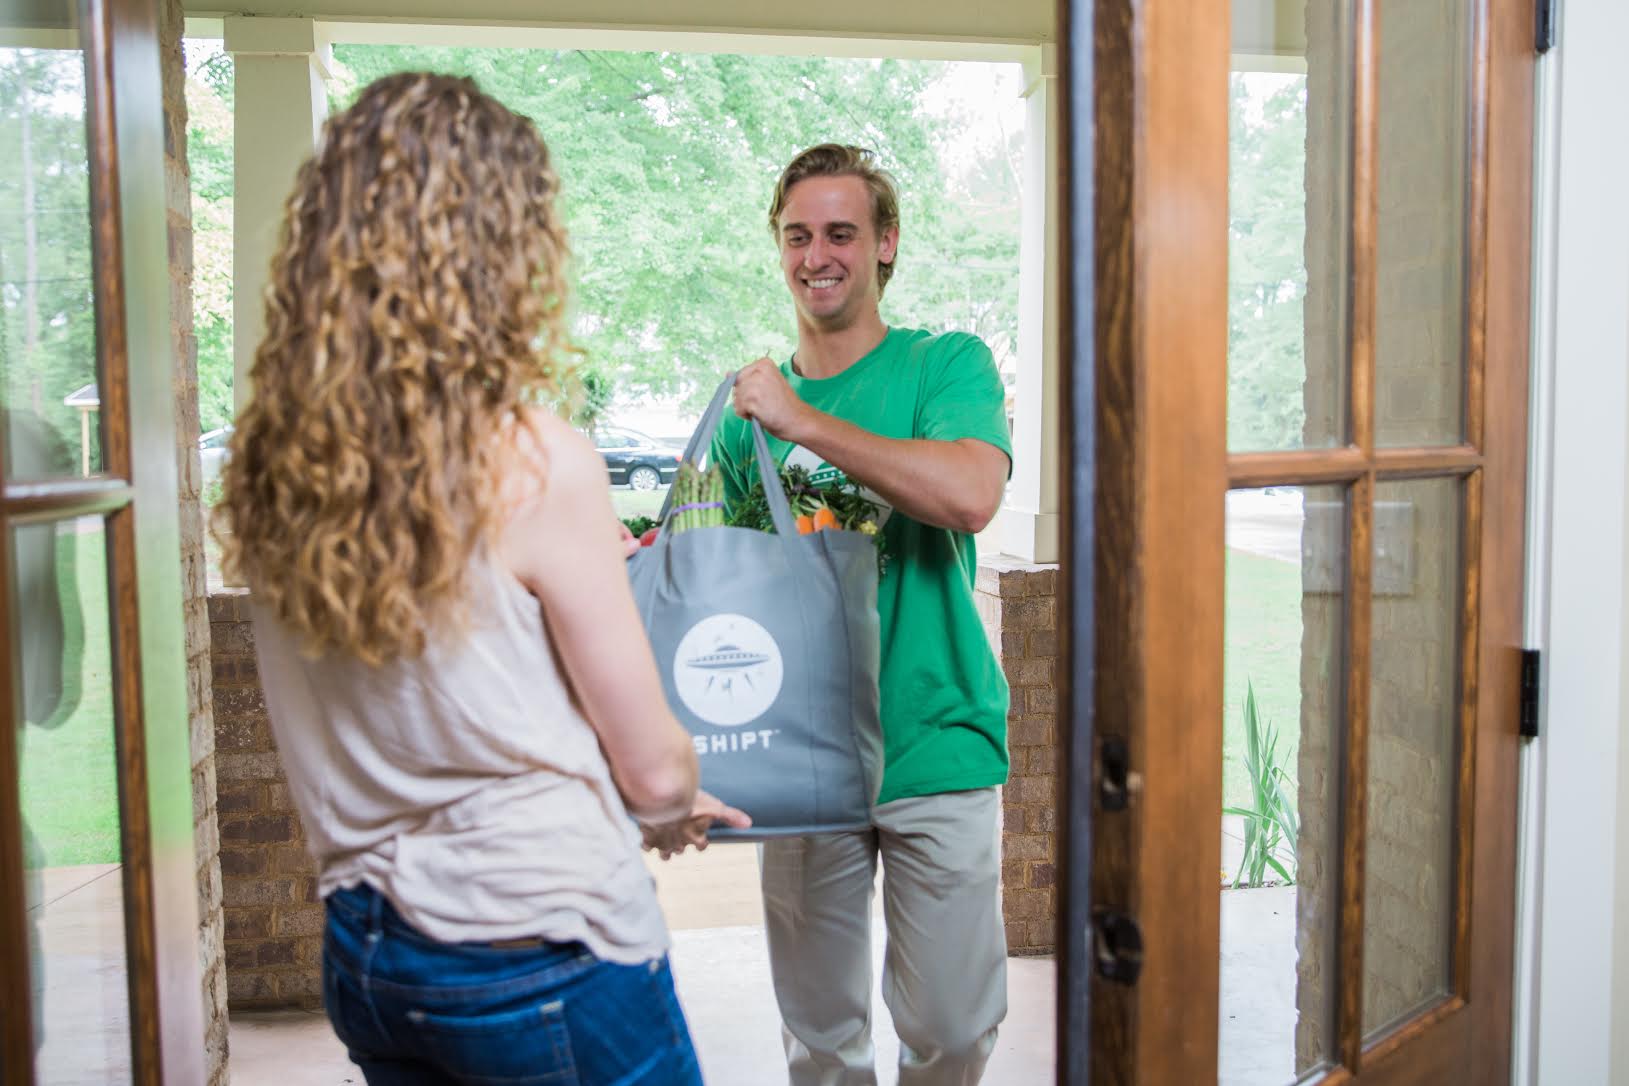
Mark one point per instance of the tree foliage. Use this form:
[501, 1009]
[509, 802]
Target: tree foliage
[1267, 278]
[209, 161]
[667, 161]
[47, 314]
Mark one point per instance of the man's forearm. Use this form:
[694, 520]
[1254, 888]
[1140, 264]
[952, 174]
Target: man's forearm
[948, 484]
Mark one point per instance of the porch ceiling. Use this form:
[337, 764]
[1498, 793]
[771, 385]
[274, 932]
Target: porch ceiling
[961, 27]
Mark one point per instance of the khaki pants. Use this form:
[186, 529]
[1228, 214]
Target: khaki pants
[944, 973]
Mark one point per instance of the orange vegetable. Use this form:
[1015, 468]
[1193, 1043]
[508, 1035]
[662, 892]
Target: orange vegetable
[824, 518]
[805, 524]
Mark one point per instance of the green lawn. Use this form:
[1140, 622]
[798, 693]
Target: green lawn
[69, 774]
[1263, 647]
[637, 503]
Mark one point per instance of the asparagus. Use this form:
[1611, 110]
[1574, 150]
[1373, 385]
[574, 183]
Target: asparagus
[698, 498]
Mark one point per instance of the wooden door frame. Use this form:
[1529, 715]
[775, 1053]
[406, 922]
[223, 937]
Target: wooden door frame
[1148, 615]
[1145, 499]
[1077, 434]
[1160, 150]
[136, 493]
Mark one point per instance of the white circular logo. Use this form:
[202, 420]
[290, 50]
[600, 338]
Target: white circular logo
[727, 670]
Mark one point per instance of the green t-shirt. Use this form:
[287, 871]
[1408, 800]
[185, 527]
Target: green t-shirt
[944, 697]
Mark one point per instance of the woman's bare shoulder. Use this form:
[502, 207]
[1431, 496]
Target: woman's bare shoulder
[544, 452]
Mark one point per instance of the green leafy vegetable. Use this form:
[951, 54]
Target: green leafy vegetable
[852, 510]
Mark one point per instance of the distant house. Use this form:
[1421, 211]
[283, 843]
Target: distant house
[87, 401]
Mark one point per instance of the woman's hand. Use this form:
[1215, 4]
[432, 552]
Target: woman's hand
[672, 838]
[630, 542]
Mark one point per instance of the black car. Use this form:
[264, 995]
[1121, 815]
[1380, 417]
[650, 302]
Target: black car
[639, 461]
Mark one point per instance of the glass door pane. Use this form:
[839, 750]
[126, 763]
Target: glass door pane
[1289, 216]
[47, 309]
[1281, 749]
[1413, 750]
[70, 803]
[1421, 172]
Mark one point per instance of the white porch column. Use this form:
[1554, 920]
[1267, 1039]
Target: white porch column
[279, 106]
[1029, 520]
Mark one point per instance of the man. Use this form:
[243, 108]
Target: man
[918, 420]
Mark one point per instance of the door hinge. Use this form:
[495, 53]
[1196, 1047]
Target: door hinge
[1543, 26]
[1117, 946]
[1532, 687]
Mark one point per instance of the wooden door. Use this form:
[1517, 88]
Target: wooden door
[1298, 559]
[98, 916]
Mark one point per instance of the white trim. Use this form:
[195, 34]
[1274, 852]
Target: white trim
[281, 100]
[1540, 467]
[734, 40]
[194, 26]
[1283, 63]
[986, 28]
[1573, 966]
[1028, 521]
[271, 37]
[15, 37]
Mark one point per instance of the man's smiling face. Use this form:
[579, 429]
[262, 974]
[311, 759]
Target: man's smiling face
[830, 249]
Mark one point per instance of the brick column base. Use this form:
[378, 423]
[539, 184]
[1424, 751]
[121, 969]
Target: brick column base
[269, 882]
[1018, 603]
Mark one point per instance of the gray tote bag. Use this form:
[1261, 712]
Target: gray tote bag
[768, 648]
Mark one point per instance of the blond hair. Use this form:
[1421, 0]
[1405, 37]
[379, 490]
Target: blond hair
[842, 160]
[414, 310]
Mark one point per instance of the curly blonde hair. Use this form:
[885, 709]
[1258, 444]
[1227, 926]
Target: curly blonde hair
[414, 311]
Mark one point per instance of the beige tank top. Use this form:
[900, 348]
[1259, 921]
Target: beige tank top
[464, 785]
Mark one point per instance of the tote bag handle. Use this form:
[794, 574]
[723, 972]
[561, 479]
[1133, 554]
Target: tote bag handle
[780, 511]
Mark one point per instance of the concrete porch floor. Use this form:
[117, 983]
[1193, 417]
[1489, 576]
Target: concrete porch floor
[78, 915]
[712, 903]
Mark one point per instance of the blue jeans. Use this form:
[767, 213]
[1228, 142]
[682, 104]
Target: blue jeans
[415, 1012]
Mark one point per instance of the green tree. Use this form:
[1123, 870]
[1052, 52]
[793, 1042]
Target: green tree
[1267, 279]
[667, 163]
[48, 334]
[209, 160]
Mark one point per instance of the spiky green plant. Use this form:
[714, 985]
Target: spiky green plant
[1271, 827]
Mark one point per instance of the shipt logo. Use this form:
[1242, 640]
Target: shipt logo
[728, 670]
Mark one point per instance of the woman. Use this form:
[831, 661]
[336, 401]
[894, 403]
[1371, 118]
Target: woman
[462, 694]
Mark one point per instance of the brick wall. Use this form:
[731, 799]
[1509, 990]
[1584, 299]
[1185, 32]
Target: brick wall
[184, 353]
[273, 919]
[1018, 603]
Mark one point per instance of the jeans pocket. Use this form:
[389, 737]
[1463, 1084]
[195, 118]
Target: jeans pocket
[627, 1030]
[347, 1009]
[526, 1047]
